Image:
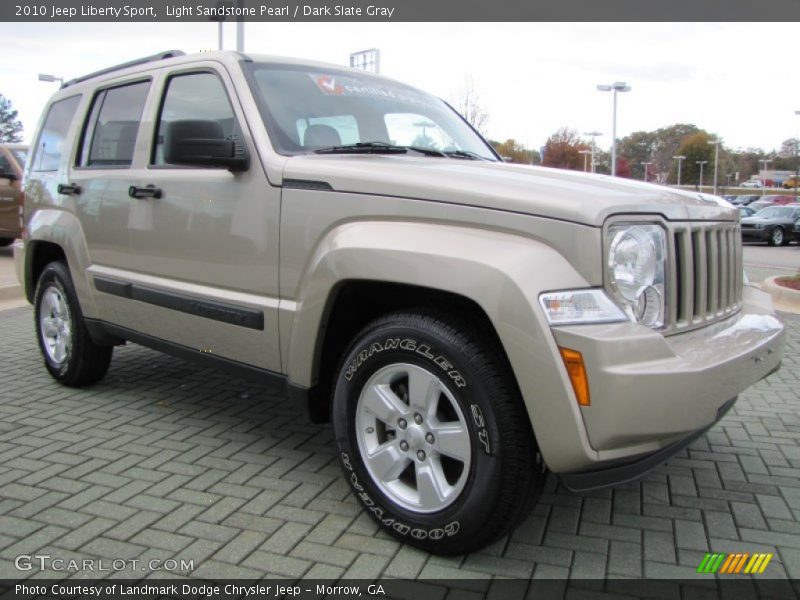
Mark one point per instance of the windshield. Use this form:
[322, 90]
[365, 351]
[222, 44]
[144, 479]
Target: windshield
[20, 155]
[775, 212]
[312, 108]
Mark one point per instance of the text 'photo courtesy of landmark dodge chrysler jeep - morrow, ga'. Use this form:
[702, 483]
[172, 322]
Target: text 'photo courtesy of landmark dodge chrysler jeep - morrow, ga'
[465, 324]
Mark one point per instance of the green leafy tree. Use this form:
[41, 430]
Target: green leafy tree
[512, 151]
[696, 148]
[10, 125]
[637, 148]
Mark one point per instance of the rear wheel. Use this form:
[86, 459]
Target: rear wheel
[777, 237]
[69, 354]
[433, 436]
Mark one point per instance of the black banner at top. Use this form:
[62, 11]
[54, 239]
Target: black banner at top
[398, 10]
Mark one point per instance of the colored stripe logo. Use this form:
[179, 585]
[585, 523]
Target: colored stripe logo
[733, 564]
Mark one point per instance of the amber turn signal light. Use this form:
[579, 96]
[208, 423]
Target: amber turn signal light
[573, 360]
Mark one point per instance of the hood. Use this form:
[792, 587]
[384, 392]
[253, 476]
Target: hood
[553, 193]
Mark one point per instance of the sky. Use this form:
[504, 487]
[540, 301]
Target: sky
[735, 80]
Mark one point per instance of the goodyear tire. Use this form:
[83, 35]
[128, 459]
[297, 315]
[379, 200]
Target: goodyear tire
[432, 433]
[69, 354]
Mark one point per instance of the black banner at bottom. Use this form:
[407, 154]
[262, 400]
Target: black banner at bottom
[399, 589]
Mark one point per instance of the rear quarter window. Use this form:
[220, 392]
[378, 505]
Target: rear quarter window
[52, 140]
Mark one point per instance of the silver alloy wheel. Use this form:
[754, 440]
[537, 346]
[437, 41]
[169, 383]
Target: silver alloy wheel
[55, 325]
[413, 437]
[777, 236]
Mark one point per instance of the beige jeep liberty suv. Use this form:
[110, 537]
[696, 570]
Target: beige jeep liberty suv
[464, 323]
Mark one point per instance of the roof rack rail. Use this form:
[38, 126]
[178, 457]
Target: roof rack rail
[125, 65]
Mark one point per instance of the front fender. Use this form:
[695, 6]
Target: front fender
[503, 273]
[63, 229]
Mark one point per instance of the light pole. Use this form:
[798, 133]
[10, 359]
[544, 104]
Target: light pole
[594, 134]
[586, 154]
[764, 162]
[646, 164]
[716, 143]
[701, 163]
[50, 78]
[796, 161]
[617, 86]
[680, 160]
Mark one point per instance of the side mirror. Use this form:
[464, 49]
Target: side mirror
[9, 176]
[201, 143]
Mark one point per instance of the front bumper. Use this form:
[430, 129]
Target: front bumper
[649, 392]
[622, 471]
[759, 235]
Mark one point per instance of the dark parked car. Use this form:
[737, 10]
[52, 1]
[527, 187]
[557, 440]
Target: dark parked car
[745, 200]
[771, 224]
[746, 211]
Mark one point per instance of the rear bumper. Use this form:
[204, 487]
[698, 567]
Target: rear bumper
[622, 471]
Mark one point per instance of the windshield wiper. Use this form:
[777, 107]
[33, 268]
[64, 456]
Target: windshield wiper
[463, 154]
[378, 148]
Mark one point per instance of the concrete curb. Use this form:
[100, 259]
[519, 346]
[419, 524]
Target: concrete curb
[785, 299]
[11, 292]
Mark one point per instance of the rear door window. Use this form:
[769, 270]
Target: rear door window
[52, 140]
[110, 133]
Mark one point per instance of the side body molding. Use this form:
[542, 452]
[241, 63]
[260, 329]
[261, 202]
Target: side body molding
[502, 272]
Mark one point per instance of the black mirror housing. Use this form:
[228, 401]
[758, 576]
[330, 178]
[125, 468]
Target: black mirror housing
[201, 143]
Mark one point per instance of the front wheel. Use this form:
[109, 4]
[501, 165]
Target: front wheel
[69, 353]
[776, 237]
[433, 436]
[6, 242]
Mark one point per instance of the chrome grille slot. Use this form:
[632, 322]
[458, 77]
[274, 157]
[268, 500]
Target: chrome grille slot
[706, 260]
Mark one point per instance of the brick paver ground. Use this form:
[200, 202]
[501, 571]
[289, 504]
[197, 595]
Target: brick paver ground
[165, 460]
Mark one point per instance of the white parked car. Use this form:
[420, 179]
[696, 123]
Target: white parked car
[754, 183]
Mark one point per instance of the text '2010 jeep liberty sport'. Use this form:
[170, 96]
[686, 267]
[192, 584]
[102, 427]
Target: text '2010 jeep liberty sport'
[464, 323]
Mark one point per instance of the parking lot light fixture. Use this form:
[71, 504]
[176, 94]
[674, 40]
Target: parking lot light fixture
[716, 143]
[594, 134]
[617, 86]
[701, 163]
[680, 160]
[51, 78]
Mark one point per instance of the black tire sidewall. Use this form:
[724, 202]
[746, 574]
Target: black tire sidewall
[446, 530]
[772, 236]
[56, 274]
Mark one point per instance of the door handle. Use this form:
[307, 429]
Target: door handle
[69, 189]
[148, 191]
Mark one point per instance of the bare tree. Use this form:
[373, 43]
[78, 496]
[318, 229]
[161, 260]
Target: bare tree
[468, 103]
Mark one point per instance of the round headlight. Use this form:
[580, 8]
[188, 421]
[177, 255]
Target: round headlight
[633, 261]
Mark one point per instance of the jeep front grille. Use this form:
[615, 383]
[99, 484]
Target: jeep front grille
[706, 278]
